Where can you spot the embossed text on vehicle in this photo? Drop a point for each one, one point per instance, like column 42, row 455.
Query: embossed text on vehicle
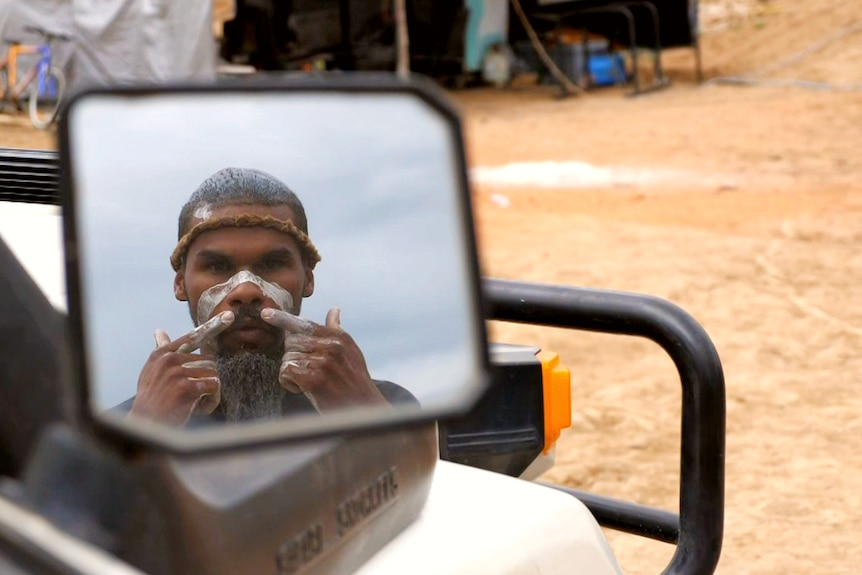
column 300, row 550
column 363, row 503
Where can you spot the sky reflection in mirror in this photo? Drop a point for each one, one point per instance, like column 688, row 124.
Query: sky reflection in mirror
column 377, row 175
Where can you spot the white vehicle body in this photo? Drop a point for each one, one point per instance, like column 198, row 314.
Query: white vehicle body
column 476, row 522
column 34, row 233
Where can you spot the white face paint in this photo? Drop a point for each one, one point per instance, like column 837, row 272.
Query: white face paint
column 212, row 297
column 203, row 212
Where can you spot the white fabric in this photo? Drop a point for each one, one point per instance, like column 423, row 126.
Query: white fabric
column 121, row 41
column 51, row 15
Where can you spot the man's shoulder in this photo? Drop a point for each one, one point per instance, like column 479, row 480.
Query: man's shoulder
column 395, row 394
column 123, row 407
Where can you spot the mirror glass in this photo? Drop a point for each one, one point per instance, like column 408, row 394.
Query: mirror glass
column 203, row 300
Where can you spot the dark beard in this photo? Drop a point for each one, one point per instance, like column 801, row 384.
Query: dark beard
column 249, row 387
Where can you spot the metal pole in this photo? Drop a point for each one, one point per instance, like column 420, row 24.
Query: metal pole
column 403, row 65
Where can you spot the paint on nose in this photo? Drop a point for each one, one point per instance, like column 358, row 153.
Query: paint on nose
column 215, row 295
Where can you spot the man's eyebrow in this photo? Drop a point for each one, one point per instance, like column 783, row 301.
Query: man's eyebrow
column 279, row 253
column 209, row 254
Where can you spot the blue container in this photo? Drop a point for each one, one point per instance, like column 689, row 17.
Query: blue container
column 607, row 69
column 570, row 57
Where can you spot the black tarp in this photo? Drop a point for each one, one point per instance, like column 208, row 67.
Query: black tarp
column 677, row 20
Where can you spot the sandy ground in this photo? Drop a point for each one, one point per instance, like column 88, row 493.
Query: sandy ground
column 761, row 248
column 757, row 237
column 763, row 254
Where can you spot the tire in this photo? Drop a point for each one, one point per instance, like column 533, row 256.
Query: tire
column 45, row 107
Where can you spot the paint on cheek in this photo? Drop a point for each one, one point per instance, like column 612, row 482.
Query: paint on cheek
column 203, row 212
column 212, row 297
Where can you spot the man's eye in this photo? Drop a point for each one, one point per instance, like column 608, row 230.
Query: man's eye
column 273, row 264
column 217, row 266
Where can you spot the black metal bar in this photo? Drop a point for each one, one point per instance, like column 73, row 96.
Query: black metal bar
column 29, row 176
column 660, row 81
column 12, row 180
column 38, row 198
column 701, row 499
column 626, row 516
column 27, row 168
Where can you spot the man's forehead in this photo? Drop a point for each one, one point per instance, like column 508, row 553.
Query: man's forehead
column 207, row 219
column 205, row 212
column 249, row 240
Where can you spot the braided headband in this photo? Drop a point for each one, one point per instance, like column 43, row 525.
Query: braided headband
column 245, row 221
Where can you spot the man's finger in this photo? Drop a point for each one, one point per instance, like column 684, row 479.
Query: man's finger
column 202, row 363
column 333, row 318
column 286, row 380
column 162, row 338
column 299, row 342
column 292, row 384
column 292, row 357
column 204, row 332
column 287, row 321
column 289, row 362
column 302, row 360
column 199, row 373
column 205, row 404
column 201, row 385
column 208, row 401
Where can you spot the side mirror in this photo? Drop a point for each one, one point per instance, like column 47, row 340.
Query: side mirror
column 183, row 214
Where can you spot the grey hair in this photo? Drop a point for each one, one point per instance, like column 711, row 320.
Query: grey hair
column 238, row 186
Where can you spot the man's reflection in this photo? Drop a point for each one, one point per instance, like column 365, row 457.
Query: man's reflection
column 244, row 262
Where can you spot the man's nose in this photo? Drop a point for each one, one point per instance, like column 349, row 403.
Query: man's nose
column 245, row 294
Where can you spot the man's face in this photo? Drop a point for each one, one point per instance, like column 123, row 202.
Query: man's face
column 217, row 255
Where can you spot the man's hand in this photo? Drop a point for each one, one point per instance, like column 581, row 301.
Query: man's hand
column 174, row 382
column 323, row 362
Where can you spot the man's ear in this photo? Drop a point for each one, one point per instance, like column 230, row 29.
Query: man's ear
column 180, row 287
column 308, row 290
